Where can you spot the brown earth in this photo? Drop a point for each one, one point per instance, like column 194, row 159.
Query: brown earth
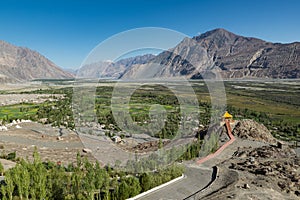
column 45, row 139
column 264, row 170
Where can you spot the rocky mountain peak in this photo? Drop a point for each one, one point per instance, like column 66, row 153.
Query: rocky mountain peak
column 218, row 33
column 221, row 38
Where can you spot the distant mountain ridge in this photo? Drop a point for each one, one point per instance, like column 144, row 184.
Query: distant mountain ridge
column 113, row 70
column 233, row 56
column 19, row 64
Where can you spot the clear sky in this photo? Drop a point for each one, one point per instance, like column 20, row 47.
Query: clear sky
column 65, row 31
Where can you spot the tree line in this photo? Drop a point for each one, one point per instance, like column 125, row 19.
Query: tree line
column 81, row 180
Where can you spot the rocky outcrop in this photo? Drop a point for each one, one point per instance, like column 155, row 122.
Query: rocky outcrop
column 250, row 129
column 274, row 167
column 18, row 64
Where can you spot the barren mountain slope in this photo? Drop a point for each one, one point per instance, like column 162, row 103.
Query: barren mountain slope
column 232, row 55
column 18, row 64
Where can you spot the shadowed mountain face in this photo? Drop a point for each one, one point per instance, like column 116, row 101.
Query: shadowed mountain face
column 232, row 55
column 18, row 64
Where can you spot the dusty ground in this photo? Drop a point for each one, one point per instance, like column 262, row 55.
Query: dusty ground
column 11, row 99
column 263, row 173
column 60, row 144
column 45, row 138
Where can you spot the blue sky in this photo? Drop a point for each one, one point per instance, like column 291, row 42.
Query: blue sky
column 66, row 31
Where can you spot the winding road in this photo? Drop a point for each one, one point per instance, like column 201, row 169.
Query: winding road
column 195, row 178
column 198, row 176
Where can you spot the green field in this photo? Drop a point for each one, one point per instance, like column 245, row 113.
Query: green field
column 18, row 111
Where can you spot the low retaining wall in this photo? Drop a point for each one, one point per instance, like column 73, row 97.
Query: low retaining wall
column 156, row 188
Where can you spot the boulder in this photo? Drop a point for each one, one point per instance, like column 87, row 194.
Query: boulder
column 86, row 150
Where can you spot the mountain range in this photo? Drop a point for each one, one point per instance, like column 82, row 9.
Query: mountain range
column 231, row 55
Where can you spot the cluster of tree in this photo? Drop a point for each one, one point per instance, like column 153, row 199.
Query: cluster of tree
column 59, row 112
column 286, row 130
column 1, row 169
column 83, row 180
column 64, row 90
column 156, row 161
column 210, row 144
column 140, row 114
column 192, row 151
column 130, row 186
column 140, row 102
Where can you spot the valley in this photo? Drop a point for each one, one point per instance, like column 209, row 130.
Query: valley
column 150, row 100
column 46, row 125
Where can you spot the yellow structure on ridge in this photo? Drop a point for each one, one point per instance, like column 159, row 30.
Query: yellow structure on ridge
column 227, row 116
